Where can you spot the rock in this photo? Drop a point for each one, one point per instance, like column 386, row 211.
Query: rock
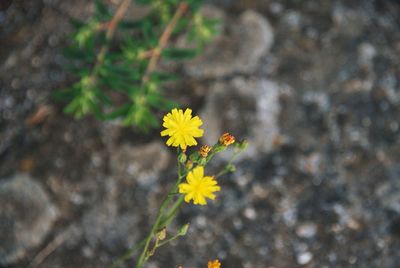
column 248, row 109
column 306, row 230
column 293, row 20
column 250, row 213
column 389, row 191
column 310, row 164
column 26, row 217
column 98, row 222
column 141, row 164
column 237, row 50
column 304, row 258
column 104, row 226
column 366, row 53
column 350, row 22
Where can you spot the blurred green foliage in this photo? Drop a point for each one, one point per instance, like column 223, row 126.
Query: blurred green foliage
column 113, row 79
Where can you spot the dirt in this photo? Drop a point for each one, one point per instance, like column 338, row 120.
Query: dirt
column 327, row 194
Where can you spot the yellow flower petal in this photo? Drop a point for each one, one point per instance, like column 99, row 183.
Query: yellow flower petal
column 182, row 128
column 199, row 187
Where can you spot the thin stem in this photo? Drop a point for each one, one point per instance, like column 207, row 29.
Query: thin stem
column 179, row 162
column 170, row 215
column 143, row 256
column 162, row 42
column 156, row 226
column 168, row 240
column 225, row 170
column 119, row 14
column 111, row 27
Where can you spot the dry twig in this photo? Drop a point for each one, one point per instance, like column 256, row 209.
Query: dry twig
column 44, row 253
column 111, row 26
column 156, row 52
column 39, row 115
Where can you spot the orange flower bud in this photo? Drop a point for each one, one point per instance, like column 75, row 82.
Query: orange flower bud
column 227, row 139
column 204, row 150
column 214, row 264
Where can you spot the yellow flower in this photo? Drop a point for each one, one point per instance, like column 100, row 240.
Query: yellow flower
column 199, row 187
column 214, row 264
column 227, row 139
column 182, row 128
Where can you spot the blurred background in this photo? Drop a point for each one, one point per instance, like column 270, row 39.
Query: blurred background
column 313, row 85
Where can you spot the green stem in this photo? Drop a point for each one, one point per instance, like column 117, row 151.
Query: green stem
column 225, row 170
column 168, row 240
column 171, row 213
column 179, row 163
column 156, row 226
column 144, row 255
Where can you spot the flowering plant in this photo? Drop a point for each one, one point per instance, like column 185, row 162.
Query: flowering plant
column 115, row 58
column 192, row 185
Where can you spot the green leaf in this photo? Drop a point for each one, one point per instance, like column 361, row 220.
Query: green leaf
column 73, row 106
column 101, row 10
column 168, row 104
column 130, row 24
column 76, row 23
column 179, row 53
column 165, row 77
column 65, row 94
column 102, row 97
column 94, row 108
column 181, row 25
column 116, row 85
column 148, row 120
column 143, row 2
column 119, row 112
column 195, row 4
column 78, row 70
column 154, row 100
column 77, row 53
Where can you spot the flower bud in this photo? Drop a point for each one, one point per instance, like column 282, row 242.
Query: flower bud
column 189, row 164
column 214, row 264
column 161, row 235
column 182, row 158
column 227, row 139
column 204, row 150
column 184, row 229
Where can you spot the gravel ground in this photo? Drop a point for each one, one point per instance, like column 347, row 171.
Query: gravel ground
column 313, row 85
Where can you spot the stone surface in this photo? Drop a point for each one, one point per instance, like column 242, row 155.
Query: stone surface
column 105, row 226
column 247, row 108
column 327, row 196
column 26, row 217
column 139, row 164
column 239, row 50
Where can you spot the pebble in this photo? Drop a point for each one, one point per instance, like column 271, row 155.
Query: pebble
column 307, row 230
column 142, row 163
column 250, row 111
column 26, row 215
column 244, row 43
column 250, row 213
column 304, row 258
